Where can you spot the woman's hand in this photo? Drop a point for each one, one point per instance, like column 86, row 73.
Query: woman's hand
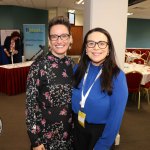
column 6, row 52
column 40, row 147
column 15, row 52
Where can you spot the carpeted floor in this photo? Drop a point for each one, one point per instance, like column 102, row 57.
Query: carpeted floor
column 135, row 129
column 134, row 132
column 12, row 111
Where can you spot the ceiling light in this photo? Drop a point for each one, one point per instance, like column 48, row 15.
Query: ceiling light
column 129, row 14
column 71, row 10
column 79, row 2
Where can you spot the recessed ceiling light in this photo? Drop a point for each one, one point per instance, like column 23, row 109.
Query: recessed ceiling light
column 71, row 10
column 129, row 14
column 79, row 2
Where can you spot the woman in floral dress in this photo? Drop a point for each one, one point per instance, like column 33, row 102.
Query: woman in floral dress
column 48, row 95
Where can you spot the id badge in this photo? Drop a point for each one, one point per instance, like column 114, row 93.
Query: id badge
column 81, row 118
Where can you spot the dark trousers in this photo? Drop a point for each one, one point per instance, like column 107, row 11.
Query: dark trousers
column 86, row 138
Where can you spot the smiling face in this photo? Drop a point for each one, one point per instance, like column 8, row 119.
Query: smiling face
column 59, row 45
column 97, row 54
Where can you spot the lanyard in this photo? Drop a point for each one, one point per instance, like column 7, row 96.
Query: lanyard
column 84, row 97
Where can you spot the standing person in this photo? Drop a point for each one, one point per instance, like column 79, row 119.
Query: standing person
column 99, row 95
column 48, row 95
column 13, row 48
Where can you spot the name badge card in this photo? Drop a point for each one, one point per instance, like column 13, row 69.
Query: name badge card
column 81, row 118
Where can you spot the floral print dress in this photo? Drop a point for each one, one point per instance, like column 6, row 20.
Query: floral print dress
column 48, row 103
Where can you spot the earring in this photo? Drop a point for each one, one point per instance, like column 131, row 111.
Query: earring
column 70, row 46
column 71, row 42
column 86, row 52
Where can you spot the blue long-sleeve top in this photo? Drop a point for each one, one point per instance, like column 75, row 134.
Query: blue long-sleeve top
column 100, row 108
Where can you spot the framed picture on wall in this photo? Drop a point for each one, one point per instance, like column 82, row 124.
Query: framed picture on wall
column 71, row 17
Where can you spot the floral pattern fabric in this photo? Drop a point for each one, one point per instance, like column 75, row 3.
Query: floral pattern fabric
column 48, row 103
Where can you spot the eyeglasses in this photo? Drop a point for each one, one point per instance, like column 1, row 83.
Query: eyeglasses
column 101, row 44
column 55, row 37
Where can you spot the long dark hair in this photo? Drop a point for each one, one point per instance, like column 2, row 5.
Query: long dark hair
column 109, row 69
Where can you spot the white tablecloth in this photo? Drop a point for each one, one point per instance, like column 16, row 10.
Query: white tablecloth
column 145, row 70
column 17, row 65
column 132, row 56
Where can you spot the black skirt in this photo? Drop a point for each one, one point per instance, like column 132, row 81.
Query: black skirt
column 86, row 137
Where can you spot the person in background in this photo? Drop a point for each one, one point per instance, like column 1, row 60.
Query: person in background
column 3, row 57
column 48, row 95
column 12, row 46
column 100, row 93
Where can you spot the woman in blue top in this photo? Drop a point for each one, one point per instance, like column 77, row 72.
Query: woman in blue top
column 99, row 95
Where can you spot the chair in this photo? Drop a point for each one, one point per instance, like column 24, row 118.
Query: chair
column 145, row 56
column 139, row 61
column 148, row 60
column 133, row 81
column 146, row 87
column 146, row 52
column 137, row 51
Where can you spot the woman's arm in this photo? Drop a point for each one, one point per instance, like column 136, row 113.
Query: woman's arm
column 7, row 45
column 6, row 52
column 118, row 101
column 32, row 104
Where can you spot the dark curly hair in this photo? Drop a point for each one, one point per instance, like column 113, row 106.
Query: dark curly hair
column 15, row 34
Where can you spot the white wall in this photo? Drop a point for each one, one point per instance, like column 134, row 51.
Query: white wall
column 112, row 16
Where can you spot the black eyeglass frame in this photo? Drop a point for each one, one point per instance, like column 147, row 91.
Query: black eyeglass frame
column 60, row 36
column 97, row 44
